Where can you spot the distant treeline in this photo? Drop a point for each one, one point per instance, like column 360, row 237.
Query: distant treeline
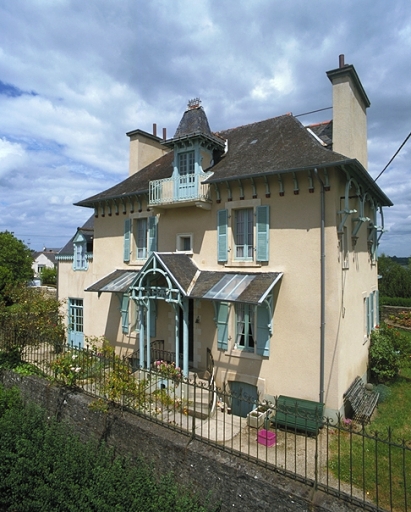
column 395, row 280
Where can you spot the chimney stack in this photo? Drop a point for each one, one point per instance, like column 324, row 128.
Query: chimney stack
column 164, row 133
column 154, row 129
column 349, row 112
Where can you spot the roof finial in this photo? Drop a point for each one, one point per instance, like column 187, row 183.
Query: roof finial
column 194, row 103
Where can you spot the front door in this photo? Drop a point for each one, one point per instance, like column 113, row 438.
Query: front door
column 75, row 322
column 190, row 331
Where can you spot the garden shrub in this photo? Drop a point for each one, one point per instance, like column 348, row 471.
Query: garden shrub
column 44, row 467
column 389, row 351
column 395, row 301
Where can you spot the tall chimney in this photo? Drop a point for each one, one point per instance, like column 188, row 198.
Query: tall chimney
column 164, row 133
column 349, row 113
column 154, row 129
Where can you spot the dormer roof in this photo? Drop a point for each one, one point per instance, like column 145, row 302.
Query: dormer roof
column 194, row 124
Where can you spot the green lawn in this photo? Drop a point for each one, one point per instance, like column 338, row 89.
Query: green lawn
column 380, row 461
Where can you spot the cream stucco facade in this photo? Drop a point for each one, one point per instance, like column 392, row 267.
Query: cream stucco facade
column 320, row 256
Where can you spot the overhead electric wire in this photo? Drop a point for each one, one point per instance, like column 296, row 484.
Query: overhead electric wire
column 313, row 111
column 396, row 153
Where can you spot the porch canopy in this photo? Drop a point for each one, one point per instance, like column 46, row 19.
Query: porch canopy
column 175, row 278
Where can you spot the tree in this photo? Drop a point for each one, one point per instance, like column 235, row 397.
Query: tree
column 395, row 279
column 15, row 264
column 49, row 276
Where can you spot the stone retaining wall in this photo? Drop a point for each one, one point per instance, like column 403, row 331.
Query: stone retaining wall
column 235, row 483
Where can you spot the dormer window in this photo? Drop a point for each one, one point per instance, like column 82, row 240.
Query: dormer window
column 80, row 250
column 80, row 256
column 186, row 163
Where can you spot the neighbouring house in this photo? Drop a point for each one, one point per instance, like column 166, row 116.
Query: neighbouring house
column 43, row 259
column 256, row 244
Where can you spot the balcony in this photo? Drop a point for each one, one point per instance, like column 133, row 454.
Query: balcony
column 182, row 190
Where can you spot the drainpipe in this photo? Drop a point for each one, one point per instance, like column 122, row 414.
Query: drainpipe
column 322, row 249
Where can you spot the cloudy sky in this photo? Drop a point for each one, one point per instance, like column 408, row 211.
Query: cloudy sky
column 76, row 75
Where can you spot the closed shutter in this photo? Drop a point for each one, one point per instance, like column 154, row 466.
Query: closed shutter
column 152, row 235
column 127, row 227
column 263, row 232
column 222, row 325
column 222, row 240
column 263, row 331
column 124, row 312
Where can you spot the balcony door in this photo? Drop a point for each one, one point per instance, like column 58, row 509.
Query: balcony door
column 187, row 178
column 75, row 323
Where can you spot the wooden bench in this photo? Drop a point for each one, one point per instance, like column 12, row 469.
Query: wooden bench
column 297, row 414
column 361, row 400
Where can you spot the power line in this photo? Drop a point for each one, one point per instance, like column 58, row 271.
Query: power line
column 313, row 111
column 396, row 153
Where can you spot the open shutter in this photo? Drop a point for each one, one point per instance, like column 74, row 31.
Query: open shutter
column 377, row 307
column 153, row 318
column 368, row 315
column 127, row 227
column 263, row 331
column 152, row 235
column 263, row 232
column 222, row 325
column 124, row 312
column 222, row 240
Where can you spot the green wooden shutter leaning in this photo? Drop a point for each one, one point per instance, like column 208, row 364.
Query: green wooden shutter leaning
column 127, row 227
column 263, row 232
column 152, row 235
column 222, row 241
column 222, row 325
column 263, row 331
column 124, row 312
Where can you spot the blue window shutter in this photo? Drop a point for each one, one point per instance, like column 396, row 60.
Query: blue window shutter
column 222, row 325
column 222, row 240
column 152, row 234
column 127, row 227
column 367, row 300
column 124, row 312
column 377, row 307
column 263, row 331
column 153, row 318
column 263, row 232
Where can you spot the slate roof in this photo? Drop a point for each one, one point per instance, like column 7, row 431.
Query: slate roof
column 87, row 229
column 193, row 121
column 274, row 146
column 324, row 131
column 193, row 282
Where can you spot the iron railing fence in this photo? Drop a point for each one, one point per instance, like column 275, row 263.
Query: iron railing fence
column 348, row 460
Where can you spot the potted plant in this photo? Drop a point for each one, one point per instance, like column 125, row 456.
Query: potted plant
column 257, row 416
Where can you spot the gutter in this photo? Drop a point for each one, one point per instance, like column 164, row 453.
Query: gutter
column 322, row 286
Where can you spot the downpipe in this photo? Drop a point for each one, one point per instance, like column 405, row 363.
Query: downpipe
column 322, row 286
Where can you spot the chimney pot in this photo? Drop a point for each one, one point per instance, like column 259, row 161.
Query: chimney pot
column 154, row 129
column 165, row 133
column 341, row 60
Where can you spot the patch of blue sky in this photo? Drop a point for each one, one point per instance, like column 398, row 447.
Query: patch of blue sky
column 13, row 91
column 32, row 144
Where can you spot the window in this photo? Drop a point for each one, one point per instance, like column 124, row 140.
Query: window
column 244, row 234
column 371, row 311
column 140, row 238
column 144, row 232
column 245, row 327
column 80, row 255
column 250, row 242
column 185, row 243
column 40, row 268
column 253, row 327
column 186, row 163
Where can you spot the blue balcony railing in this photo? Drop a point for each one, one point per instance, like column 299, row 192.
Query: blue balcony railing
column 184, row 188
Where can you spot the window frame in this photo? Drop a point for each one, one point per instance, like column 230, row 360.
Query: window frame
column 179, row 242
column 245, row 316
